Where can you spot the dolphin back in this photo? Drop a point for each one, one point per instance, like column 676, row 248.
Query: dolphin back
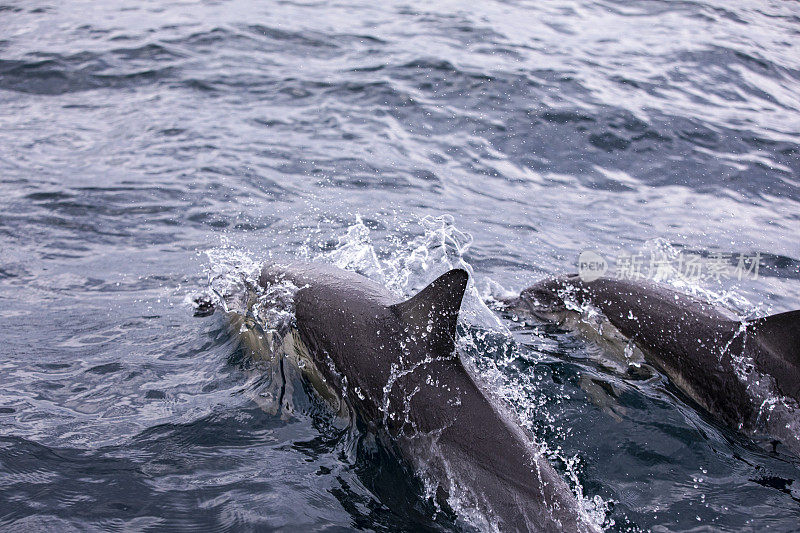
column 364, row 336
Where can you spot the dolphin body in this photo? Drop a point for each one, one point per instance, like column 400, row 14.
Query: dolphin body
column 745, row 372
column 396, row 365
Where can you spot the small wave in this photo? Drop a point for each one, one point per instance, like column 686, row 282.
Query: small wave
column 56, row 74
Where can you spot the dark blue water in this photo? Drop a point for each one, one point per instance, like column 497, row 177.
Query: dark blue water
column 146, row 145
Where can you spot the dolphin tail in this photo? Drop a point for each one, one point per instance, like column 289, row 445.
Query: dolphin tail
column 433, row 312
column 781, row 333
column 779, row 339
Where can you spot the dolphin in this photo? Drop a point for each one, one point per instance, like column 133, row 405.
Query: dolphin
column 746, row 373
column 396, row 366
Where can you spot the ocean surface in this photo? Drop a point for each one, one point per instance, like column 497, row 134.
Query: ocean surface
column 155, row 152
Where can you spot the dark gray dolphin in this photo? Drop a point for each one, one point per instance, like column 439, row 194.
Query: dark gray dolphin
column 746, row 373
column 397, row 367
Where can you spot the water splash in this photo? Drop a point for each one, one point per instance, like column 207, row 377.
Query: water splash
column 356, row 252
column 232, row 274
column 407, row 266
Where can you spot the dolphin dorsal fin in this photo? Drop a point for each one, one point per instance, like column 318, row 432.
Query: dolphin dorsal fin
column 782, row 332
column 433, row 312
